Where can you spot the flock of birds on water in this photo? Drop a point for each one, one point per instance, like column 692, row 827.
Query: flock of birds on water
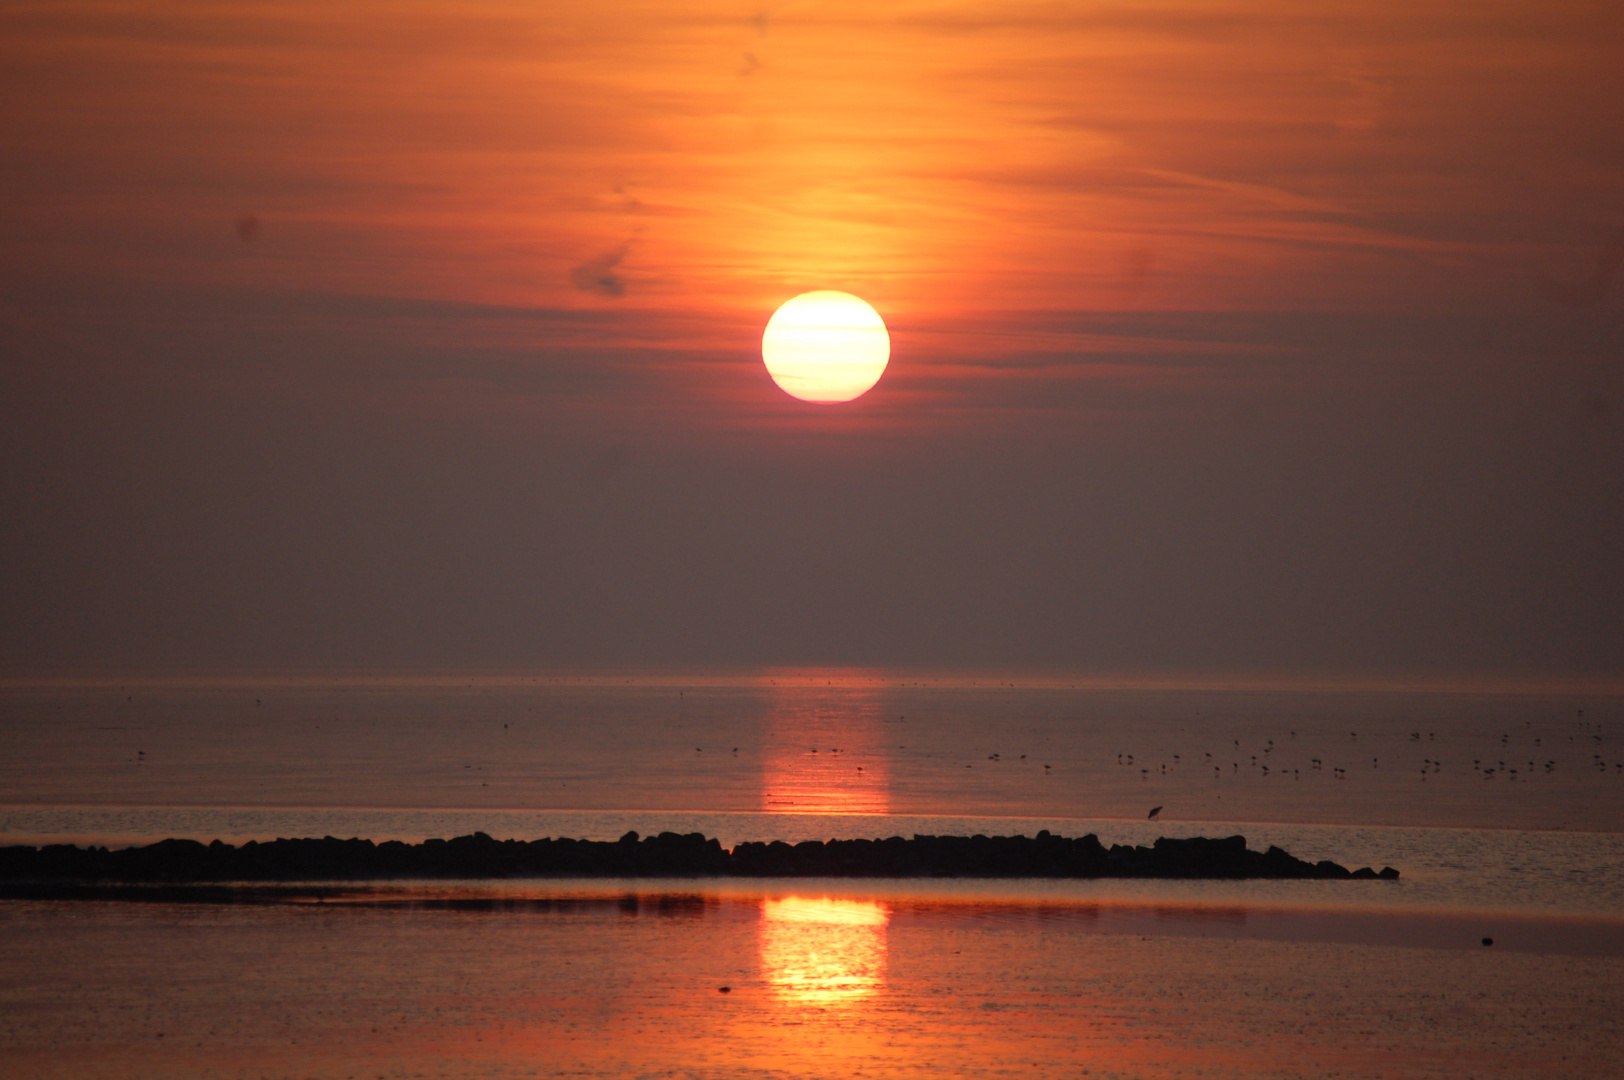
column 1264, row 765
column 1261, row 767
column 1487, row 769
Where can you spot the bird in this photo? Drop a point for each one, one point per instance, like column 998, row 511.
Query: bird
column 1153, row 812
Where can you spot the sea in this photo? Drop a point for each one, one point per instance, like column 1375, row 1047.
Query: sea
column 1498, row 952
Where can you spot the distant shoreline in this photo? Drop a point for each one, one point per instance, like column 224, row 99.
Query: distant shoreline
column 749, row 678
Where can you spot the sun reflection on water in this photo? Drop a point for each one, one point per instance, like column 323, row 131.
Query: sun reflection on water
column 826, row 754
column 821, row 951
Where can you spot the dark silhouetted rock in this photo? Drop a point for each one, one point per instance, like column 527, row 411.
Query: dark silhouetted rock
column 667, row 855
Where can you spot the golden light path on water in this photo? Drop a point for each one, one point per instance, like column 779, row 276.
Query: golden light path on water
column 823, row 951
column 825, row 755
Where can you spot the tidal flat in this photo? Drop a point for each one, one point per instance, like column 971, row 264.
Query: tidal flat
column 808, row 976
column 815, row 985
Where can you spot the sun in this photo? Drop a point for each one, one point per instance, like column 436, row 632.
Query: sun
column 825, row 347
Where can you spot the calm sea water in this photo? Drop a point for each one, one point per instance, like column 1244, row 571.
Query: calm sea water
column 825, row 743
column 828, row 978
column 1486, row 801
column 817, row 986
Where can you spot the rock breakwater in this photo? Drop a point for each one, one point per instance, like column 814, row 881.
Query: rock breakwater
column 666, row 855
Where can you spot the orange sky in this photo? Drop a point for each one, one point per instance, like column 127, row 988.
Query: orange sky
column 1084, row 223
column 954, row 163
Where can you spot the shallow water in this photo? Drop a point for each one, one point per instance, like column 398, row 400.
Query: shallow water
column 818, row 985
column 827, row 977
column 836, row 745
column 802, row 755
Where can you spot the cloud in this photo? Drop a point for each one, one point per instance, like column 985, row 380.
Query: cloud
column 598, row 276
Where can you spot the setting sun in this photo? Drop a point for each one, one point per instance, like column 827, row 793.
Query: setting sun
column 826, row 347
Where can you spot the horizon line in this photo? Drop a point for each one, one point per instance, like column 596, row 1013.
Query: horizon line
column 843, row 677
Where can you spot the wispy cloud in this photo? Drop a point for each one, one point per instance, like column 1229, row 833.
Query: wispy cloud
column 599, row 276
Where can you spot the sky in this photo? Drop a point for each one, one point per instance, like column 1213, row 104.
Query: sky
column 1227, row 337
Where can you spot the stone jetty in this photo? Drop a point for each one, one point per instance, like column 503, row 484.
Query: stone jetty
column 668, row 855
